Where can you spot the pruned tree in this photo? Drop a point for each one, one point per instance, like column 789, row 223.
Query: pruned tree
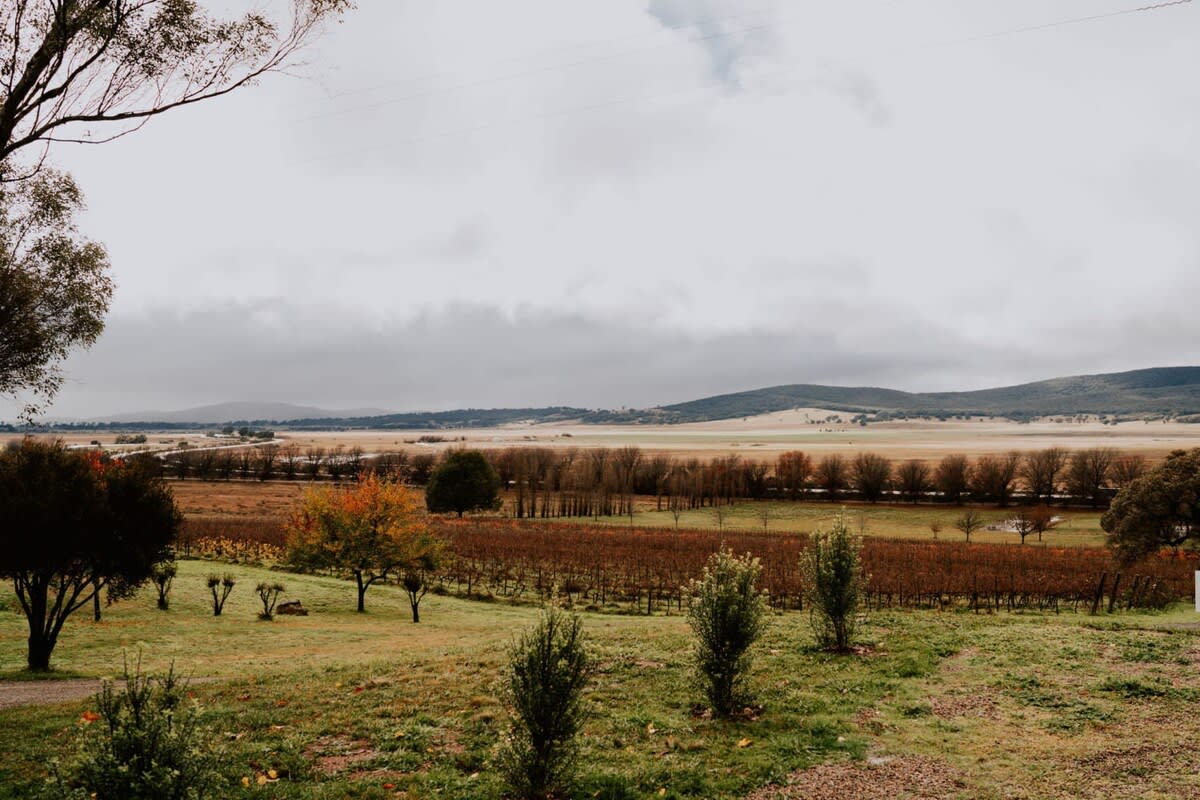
column 71, row 525
column 371, row 530
column 54, row 286
column 1159, row 509
column 90, row 71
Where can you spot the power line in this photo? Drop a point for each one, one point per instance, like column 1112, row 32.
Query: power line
column 567, row 111
column 550, row 50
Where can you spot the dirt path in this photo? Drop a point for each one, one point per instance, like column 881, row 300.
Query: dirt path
column 51, row 692
column 46, row 693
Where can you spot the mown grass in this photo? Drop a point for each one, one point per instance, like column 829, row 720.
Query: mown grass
column 342, row 704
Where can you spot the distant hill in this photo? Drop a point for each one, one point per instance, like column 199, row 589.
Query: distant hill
column 1161, row 391
column 238, row 412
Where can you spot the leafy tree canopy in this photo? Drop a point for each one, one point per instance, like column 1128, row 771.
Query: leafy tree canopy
column 465, row 481
column 1159, row 509
column 72, row 524
column 54, row 285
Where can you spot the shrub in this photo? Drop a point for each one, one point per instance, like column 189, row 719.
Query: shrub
column 269, row 594
column 833, row 584
column 728, row 615
column 145, row 742
column 220, row 588
column 543, row 687
column 163, row 576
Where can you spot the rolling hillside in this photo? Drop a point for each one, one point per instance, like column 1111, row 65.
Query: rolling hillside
column 1163, row 391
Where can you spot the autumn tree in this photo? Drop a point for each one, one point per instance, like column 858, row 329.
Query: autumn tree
column 72, row 525
column 372, row 530
column 54, row 286
column 993, row 476
column 1159, row 509
column 465, row 481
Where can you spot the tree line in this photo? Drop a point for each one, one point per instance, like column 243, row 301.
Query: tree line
column 544, row 482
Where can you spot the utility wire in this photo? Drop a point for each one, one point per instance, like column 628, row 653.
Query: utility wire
column 703, row 88
column 548, row 51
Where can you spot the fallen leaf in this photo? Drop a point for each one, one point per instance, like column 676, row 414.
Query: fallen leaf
column 745, row 742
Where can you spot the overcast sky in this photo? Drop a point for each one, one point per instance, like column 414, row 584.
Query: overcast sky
column 636, row 202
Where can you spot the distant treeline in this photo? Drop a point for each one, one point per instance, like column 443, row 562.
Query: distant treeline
column 549, row 483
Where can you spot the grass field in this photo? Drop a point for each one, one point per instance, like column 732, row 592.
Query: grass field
column 1078, row 528
column 369, row 705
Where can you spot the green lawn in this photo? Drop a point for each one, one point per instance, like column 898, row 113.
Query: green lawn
column 342, row 704
column 1078, row 528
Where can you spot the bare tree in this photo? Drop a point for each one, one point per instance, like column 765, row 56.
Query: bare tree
column 831, row 476
column 792, row 472
column 1087, row 474
column 952, row 478
column 1039, row 472
column 912, row 477
column 1126, row 469
column 872, row 475
column 90, row 71
column 970, row 521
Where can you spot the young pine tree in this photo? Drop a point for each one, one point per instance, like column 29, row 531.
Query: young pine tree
column 543, row 687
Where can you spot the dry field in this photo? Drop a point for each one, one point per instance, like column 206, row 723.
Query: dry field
column 764, row 437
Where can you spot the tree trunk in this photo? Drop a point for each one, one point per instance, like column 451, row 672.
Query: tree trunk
column 40, row 647
column 362, row 590
column 416, row 606
column 96, row 606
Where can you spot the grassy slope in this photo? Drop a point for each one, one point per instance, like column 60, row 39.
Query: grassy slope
column 416, row 705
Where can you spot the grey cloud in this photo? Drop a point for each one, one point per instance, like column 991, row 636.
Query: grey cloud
column 477, row 356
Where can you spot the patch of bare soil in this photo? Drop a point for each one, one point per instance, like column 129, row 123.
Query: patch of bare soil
column 976, row 704
column 333, row 754
column 1161, row 770
column 898, row 778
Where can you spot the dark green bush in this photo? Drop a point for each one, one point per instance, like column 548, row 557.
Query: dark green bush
column 833, row 585
column 144, row 742
column 543, row 688
column 727, row 613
